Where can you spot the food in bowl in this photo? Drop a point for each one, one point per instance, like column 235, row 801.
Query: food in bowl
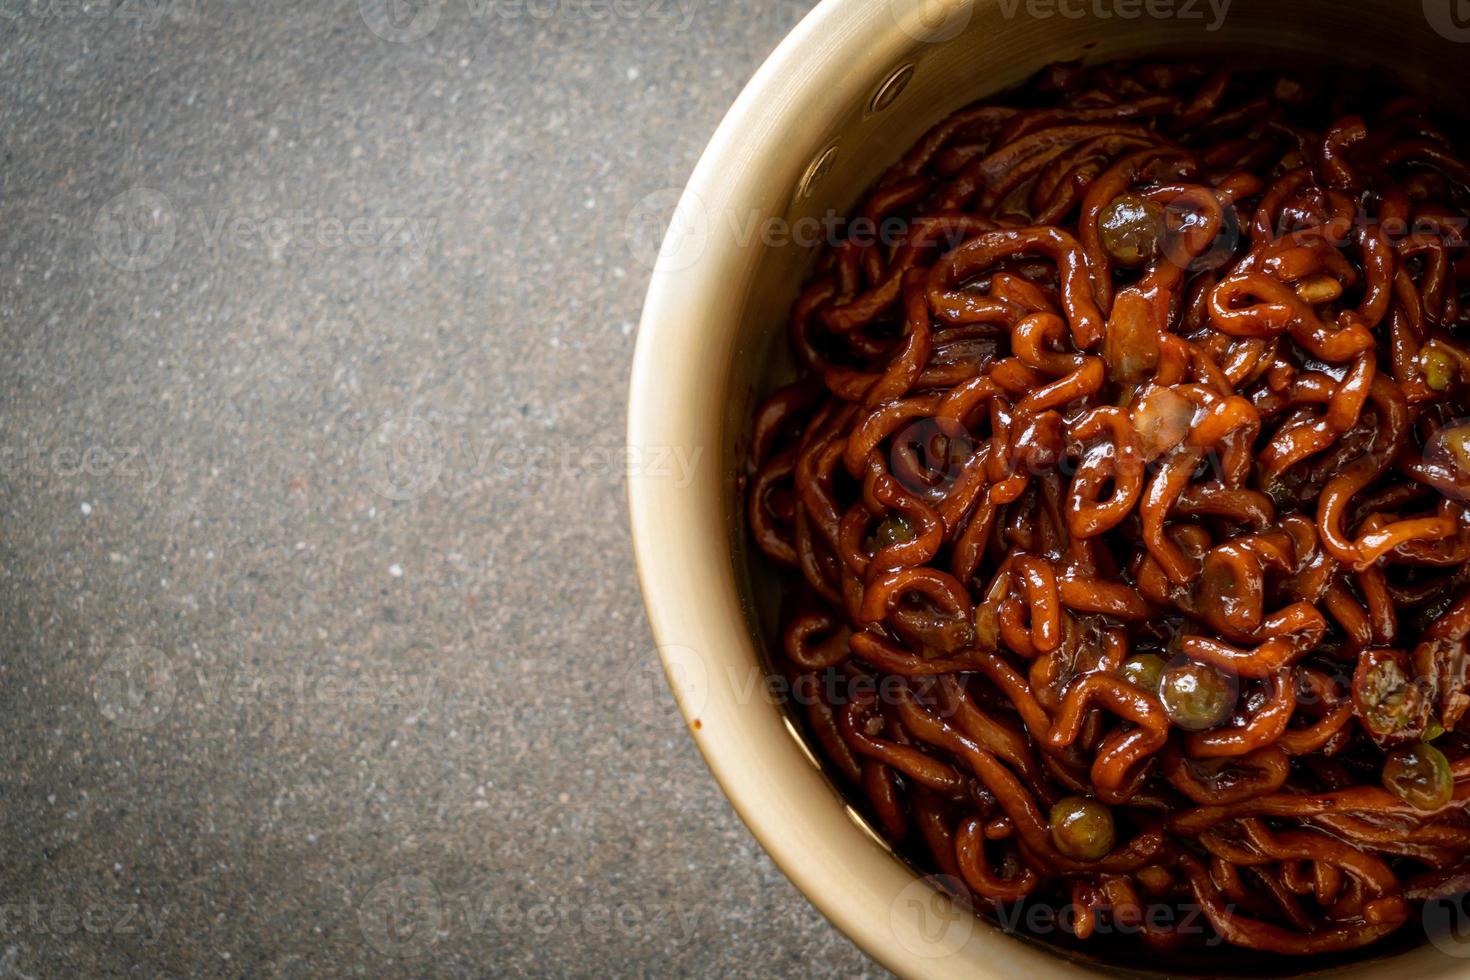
column 1122, row 506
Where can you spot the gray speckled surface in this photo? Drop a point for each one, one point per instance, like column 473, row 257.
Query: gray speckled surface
column 316, row 325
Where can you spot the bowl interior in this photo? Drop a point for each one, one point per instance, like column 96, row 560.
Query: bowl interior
column 817, row 125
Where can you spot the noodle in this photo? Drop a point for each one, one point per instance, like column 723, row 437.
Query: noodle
column 1131, row 474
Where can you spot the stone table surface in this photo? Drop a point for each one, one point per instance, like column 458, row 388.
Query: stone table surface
column 314, row 577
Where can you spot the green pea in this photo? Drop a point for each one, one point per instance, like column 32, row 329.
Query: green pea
column 894, row 529
column 1438, row 368
column 1389, row 704
column 1420, row 775
column 1082, row 828
column 1144, row 672
column 1131, row 227
column 1196, row 696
